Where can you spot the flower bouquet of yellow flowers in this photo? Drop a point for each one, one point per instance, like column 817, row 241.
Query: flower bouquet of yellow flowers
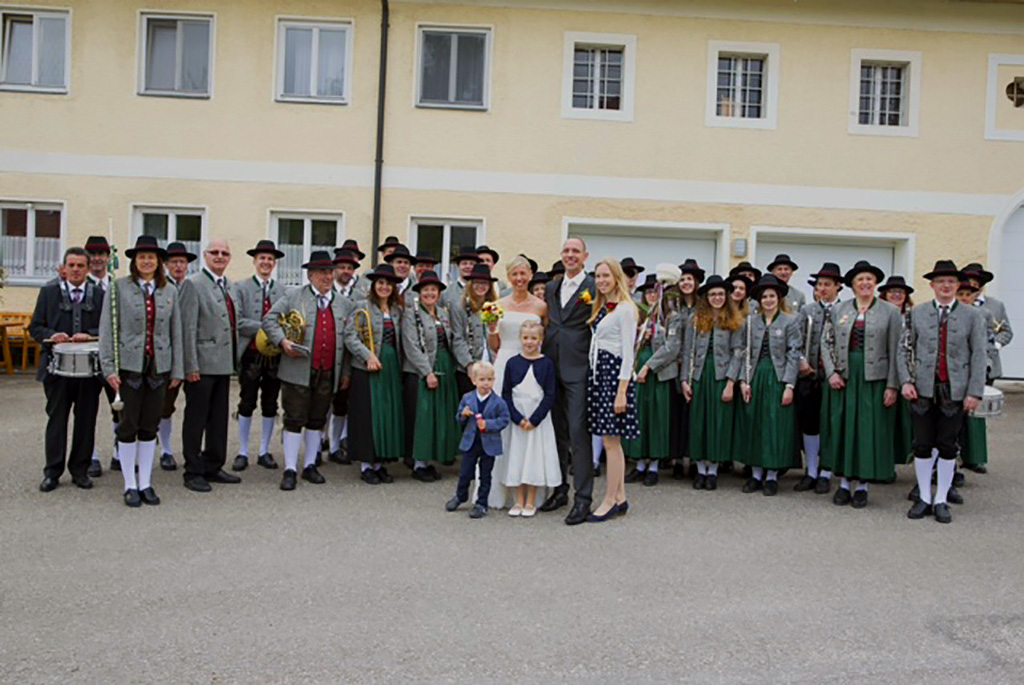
column 491, row 313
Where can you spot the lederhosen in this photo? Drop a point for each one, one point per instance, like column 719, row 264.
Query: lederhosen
column 938, row 419
column 257, row 374
column 307, row 406
column 142, row 393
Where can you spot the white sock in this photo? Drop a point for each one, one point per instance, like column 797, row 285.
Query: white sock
column 244, row 426
column 144, row 455
column 113, row 432
column 712, row 468
column 364, row 466
column 166, row 426
column 266, row 433
column 758, row 473
column 825, row 473
column 946, row 469
column 702, row 468
column 419, row 464
column 312, row 447
column 923, row 471
column 596, row 445
column 95, row 454
column 126, row 452
column 652, row 466
column 339, row 428
column 844, row 484
column 641, row 465
column 862, row 486
column 811, row 445
column 292, row 444
column 772, row 475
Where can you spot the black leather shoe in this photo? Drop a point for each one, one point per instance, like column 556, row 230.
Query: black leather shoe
column 434, row 473
column 95, row 469
column 49, row 484
column 478, row 512
column 822, row 486
column 711, row 483
column 978, row 468
column 384, row 476
column 266, row 461
column 167, row 462
column 223, row 476
column 370, row 476
column 954, row 496
column 860, row 499
column 311, row 475
column 132, row 498
column 752, row 485
column 842, row 497
column 623, row 508
column 453, row 504
column 806, row 483
column 634, row 476
column 556, row 501
column 771, row 488
column 607, row 516
column 915, row 494
column 422, row 475
column 943, row 514
column 335, row 457
column 650, row 478
column 319, row 460
column 115, row 465
column 699, row 481
column 959, row 479
column 288, row 480
column 580, row 512
column 919, row 510
column 83, row 482
column 149, row 497
column 241, row 463
column 197, row 484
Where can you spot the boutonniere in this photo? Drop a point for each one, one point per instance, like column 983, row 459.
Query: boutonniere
column 586, row 297
column 844, row 319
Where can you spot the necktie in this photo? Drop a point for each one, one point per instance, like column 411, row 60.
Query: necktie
column 321, row 301
column 76, row 295
column 943, row 314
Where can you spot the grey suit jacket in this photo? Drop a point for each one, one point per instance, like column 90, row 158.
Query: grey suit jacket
column 209, row 338
column 965, row 351
column 1002, row 330
column 452, row 295
column 470, row 335
column 567, row 338
column 796, row 300
column 419, row 342
column 361, row 290
column 882, row 327
column 666, row 343
column 360, row 352
column 248, row 296
column 783, row 343
column 728, row 353
column 812, row 321
column 168, row 349
column 296, row 370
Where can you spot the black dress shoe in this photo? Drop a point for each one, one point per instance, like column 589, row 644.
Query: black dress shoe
column 979, row 468
column 434, row 473
column 197, row 484
column 842, row 497
column 115, row 465
column 752, row 485
column 822, row 486
column 959, row 479
column 132, row 498
column 241, row 463
column 556, row 501
column 623, row 508
column 919, row 510
column 699, row 481
column 634, row 476
column 579, row 513
column 288, row 480
column 943, row 514
column 311, row 475
column 149, row 497
column 384, row 476
column 771, row 488
column 167, row 462
column 49, row 484
column 806, row 483
column 453, row 504
column 83, row 482
column 335, row 457
column 607, row 516
column 478, row 512
column 650, row 478
column 370, row 476
column 223, row 476
column 678, row 471
column 860, row 499
column 422, row 475
column 319, row 460
column 915, row 494
column 711, row 483
column 95, row 469
column 954, row 496
column 266, row 461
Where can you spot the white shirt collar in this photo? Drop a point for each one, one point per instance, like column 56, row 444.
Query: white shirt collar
column 574, row 281
column 481, row 398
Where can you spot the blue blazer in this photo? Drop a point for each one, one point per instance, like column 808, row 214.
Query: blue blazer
column 495, row 416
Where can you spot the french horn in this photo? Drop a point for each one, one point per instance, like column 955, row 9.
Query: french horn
column 293, row 324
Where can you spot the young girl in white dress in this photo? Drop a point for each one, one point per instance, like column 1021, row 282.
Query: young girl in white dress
column 528, row 388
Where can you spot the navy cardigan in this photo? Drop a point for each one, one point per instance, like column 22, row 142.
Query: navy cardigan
column 515, row 372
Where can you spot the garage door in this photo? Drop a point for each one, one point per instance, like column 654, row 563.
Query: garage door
column 1011, row 292
column 810, row 256
column 648, row 246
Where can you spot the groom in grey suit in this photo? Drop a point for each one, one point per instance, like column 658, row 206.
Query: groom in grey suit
column 567, row 343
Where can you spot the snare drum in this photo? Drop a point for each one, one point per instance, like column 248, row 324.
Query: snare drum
column 75, row 360
column 991, row 404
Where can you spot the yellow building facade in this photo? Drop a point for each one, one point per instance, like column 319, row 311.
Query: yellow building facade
column 660, row 129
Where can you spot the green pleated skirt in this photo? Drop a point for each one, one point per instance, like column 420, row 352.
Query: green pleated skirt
column 862, row 445
column 654, row 415
column 903, row 434
column 436, row 434
column 711, row 419
column 386, row 401
column 772, row 426
column 974, row 443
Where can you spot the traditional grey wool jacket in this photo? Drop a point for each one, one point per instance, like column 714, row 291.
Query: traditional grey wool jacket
column 360, row 352
column 296, row 370
column 1002, row 330
column 470, row 335
column 248, row 296
column 965, row 351
column 666, row 343
column 210, row 339
column 168, row 349
column 728, row 352
column 813, row 315
column 882, row 327
column 419, row 341
column 783, row 344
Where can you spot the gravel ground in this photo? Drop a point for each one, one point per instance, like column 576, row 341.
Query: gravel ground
column 345, row 582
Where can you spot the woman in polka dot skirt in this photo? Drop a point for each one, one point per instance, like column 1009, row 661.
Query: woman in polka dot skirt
column 611, row 399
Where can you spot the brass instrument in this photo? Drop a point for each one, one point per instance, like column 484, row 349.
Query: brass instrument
column 909, row 343
column 748, row 365
column 828, row 339
column 293, row 324
column 364, row 328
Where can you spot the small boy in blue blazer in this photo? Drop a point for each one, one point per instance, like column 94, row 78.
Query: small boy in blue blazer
column 481, row 438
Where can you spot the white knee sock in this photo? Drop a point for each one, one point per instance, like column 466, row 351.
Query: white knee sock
column 641, row 465
column 758, row 473
column 126, row 452
column 652, row 466
column 923, row 471
column 596, row 445
column 339, row 428
column 811, row 445
column 824, row 473
column 144, row 456
column 712, row 468
column 244, row 426
column 166, row 427
column 266, row 433
column 419, row 464
column 292, row 444
column 702, row 468
column 312, row 447
column 772, row 475
column 844, row 483
column 862, row 486
column 946, row 469
column 364, row 466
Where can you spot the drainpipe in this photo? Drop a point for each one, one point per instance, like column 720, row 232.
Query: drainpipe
column 378, row 169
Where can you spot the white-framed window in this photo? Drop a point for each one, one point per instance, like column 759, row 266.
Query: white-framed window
column 31, row 240
column 445, row 239
column 298, row 234
column 598, row 76
column 314, row 61
column 176, row 55
column 35, row 50
column 743, row 85
column 885, row 93
column 169, row 224
column 454, row 67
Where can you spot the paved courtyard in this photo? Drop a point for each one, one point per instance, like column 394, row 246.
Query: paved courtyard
column 346, row 582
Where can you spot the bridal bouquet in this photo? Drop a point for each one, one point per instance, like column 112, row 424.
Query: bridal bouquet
column 491, row 313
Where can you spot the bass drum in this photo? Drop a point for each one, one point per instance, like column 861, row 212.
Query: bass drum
column 991, row 404
column 75, row 360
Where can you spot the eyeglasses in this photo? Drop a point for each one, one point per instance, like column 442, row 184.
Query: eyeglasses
column 218, row 253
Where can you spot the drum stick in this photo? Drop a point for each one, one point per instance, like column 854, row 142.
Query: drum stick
column 51, row 341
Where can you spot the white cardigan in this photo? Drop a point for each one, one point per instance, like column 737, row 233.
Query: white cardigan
column 616, row 333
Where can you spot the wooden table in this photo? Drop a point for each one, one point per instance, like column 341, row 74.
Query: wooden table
column 5, row 344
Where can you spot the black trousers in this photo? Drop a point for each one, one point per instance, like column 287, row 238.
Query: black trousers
column 307, row 406
column 143, row 398
column 206, row 415
column 572, row 438
column 937, row 422
column 257, row 376
column 115, row 416
column 467, row 471
column 64, row 395
column 808, row 404
column 339, row 405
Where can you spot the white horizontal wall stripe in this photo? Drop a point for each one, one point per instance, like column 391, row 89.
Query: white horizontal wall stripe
column 459, row 180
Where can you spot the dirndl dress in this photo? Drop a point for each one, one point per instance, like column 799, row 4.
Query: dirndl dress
column 711, row 419
column 436, row 435
column 654, row 414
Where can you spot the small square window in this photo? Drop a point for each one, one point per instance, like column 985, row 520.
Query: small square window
column 453, row 68
column 30, row 241
column 170, row 224
column 298, row 235
column 314, row 61
column 743, row 85
column 598, row 76
column 884, row 92
column 445, row 240
column 34, row 51
column 176, row 55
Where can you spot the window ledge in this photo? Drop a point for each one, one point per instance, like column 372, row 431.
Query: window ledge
column 762, row 123
column 902, row 131
column 441, row 105
column 25, row 88
column 598, row 115
column 174, row 94
column 28, row 281
column 301, row 100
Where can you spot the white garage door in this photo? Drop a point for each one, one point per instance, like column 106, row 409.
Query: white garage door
column 1011, row 292
column 648, row 247
column 810, row 257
